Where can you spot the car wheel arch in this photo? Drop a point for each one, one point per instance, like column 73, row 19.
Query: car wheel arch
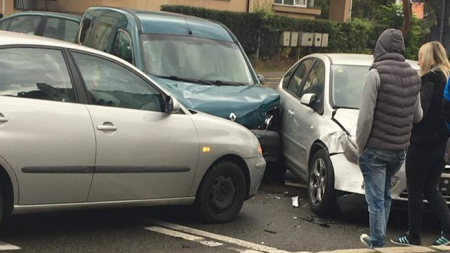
column 238, row 161
column 318, row 145
column 7, row 189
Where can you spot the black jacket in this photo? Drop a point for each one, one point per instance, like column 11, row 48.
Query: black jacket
column 432, row 129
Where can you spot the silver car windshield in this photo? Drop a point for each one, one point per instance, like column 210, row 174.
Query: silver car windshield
column 347, row 85
column 193, row 58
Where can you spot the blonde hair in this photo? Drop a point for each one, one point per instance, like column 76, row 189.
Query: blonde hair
column 434, row 56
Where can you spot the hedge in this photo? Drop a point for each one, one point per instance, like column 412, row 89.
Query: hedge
column 348, row 37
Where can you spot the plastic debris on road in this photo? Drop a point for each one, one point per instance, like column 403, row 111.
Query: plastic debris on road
column 295, row 201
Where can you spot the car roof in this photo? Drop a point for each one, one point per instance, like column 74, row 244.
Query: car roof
column 176, row 24
column 358, row 60
column 47, row 14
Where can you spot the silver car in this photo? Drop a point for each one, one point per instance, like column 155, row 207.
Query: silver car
column 80, row 128
column 320, row 98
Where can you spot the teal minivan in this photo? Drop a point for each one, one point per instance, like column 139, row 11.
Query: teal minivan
column 200, row 62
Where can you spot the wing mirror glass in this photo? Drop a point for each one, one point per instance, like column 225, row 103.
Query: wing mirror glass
column 172, row 105
column 308, row 99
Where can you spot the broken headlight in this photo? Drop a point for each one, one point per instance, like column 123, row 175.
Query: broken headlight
column 271, row 120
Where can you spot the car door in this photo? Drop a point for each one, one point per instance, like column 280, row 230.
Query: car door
column 142, row 151
column 46, row 137
column 298, row 128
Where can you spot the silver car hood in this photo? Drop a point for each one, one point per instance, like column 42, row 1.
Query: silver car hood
column 347, row 119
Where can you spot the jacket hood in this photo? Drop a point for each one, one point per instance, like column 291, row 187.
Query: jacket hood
column 390, row 41
column 249, row 104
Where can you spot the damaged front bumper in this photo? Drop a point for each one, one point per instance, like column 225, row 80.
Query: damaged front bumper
column 270, row 144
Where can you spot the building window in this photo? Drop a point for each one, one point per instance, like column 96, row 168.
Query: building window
column 299, row 3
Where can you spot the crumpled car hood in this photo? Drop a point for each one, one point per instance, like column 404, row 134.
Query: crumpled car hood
column 248, row 103
column 347, row 118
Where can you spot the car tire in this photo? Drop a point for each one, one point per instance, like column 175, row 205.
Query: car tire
column 222, row 193
column 2, row 205
column 321, row 192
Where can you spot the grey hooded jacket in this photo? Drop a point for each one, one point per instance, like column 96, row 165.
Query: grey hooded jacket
column 391, row 101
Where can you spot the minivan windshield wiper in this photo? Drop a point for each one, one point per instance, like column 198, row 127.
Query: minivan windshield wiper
column 186, row 79
column 220, row 82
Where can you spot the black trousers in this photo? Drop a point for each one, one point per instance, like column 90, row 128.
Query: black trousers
column 424, row 166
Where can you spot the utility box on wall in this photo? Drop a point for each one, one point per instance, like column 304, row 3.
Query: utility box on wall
column 285, row 39
column 325, row 40
column 294, row 39
column 317, row 39
column 306, row 39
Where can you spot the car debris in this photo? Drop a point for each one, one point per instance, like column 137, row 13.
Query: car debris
column 270, row 231
column 295, row 201
column 318, row 221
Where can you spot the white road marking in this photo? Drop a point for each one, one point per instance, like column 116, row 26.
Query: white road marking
column 230, row 240
column 6, row 246
column 184, row 236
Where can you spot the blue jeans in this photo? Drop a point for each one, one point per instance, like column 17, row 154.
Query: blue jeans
column 378, row 167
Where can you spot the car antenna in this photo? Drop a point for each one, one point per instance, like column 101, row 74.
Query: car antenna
column 189, row 28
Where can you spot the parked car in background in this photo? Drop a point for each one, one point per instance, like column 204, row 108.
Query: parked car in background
column 83, row 129
column 199, row 62
column 320, row 99
column 48, row 24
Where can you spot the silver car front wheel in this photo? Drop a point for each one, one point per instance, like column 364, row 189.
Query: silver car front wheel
column 321, row 192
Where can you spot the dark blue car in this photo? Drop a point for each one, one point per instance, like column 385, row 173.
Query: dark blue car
column 198, row 61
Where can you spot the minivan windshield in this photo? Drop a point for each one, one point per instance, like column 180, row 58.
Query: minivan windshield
column 347, row 85
column 191, row 58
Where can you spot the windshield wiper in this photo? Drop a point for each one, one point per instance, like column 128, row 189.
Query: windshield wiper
column 220, row 82
column 186, row 79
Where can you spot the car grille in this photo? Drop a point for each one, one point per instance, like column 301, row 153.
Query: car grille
column 444, row 186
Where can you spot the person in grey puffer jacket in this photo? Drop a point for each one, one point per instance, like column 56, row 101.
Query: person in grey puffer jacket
column 390, row 105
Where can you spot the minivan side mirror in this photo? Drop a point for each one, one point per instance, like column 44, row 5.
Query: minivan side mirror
column 171, row 105
column 261, row 79
column 308, row 99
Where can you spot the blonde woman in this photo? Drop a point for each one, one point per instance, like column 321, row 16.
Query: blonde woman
column 424, row 160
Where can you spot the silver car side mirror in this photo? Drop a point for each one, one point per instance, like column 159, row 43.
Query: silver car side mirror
column 261, row 79
column 308, row 99
column 172, row 105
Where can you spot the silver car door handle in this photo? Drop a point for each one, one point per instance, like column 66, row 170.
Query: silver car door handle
column 107, row 127
column 3, row 119
column 291, row 113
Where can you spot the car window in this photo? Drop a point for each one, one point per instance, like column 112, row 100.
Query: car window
column 102, row 33
column 296, row 80
column 35, row 73
column 111, row 84
column 122, row 46
column 61, row 29
column 4, row 24
column 315, row 83
column 24, row 24
column 288, row 75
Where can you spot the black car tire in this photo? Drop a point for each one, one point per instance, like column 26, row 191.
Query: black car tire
column 2, row 205
column 222, row 193
column 321, row 192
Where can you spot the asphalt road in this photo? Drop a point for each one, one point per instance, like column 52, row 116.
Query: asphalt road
column 267, row 223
